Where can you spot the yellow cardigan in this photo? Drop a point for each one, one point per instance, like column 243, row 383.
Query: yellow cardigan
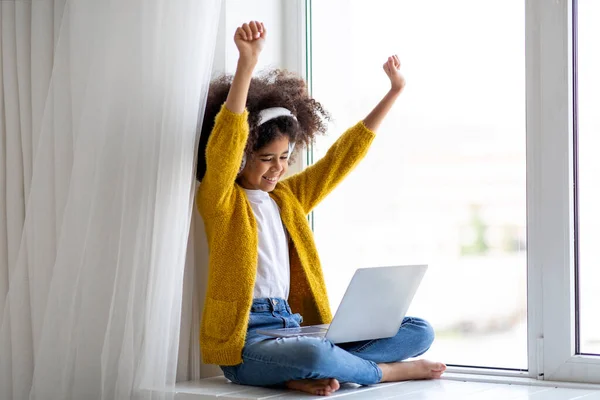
column 233, row 237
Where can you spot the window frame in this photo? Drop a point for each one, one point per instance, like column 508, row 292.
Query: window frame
column 551, row 212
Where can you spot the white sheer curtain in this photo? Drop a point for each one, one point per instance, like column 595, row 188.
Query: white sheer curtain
column 99, row 102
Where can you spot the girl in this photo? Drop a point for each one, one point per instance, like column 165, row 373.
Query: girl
column 263, row 261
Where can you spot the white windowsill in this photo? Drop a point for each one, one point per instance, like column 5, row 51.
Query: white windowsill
column 513, row 378
column 219, row 387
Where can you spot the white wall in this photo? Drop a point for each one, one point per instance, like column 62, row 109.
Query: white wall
column 285, row 30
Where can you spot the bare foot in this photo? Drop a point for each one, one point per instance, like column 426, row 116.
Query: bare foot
column 409, row 370
column 320, row 387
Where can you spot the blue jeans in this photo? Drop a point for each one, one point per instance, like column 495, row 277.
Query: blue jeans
column 273, row 361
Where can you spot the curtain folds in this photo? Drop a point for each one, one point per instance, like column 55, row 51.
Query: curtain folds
column 99, row 105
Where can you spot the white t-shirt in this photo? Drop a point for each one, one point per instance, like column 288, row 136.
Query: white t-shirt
column 273, row 272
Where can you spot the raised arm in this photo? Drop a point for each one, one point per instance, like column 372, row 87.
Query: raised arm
column 392, row 70
column 227, row 141
column 317, row 181
column 250, row 40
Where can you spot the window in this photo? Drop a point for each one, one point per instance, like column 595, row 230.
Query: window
column 444, row 182
column 486, row 170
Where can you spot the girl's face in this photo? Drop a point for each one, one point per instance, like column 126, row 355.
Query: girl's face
column 266, row 166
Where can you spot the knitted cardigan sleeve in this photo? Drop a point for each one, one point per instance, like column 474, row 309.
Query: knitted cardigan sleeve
column 314, row 183
column 224, row 152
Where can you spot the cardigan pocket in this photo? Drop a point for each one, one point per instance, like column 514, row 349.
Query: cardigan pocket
column 221, row 317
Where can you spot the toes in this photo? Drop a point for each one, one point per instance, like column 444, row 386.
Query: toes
column 331, row 386
column 334, row 384
column 439, row 367
column 437, row 373
column 319, row 387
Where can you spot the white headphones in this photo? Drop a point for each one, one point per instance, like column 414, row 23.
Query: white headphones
column 266, row 115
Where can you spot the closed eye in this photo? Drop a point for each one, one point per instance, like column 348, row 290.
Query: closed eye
column 269, row 159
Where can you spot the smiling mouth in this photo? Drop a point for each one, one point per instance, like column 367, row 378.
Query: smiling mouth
column 271, row 180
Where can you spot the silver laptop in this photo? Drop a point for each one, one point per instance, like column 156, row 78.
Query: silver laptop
column 373, row 306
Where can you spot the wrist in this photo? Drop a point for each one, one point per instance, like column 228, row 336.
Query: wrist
column 247, row 62
column 395, row 91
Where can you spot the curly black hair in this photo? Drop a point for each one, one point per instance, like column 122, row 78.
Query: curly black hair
column 273, row 88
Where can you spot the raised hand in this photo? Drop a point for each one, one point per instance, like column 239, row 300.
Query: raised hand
column 392, row 70
column 250, row 39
